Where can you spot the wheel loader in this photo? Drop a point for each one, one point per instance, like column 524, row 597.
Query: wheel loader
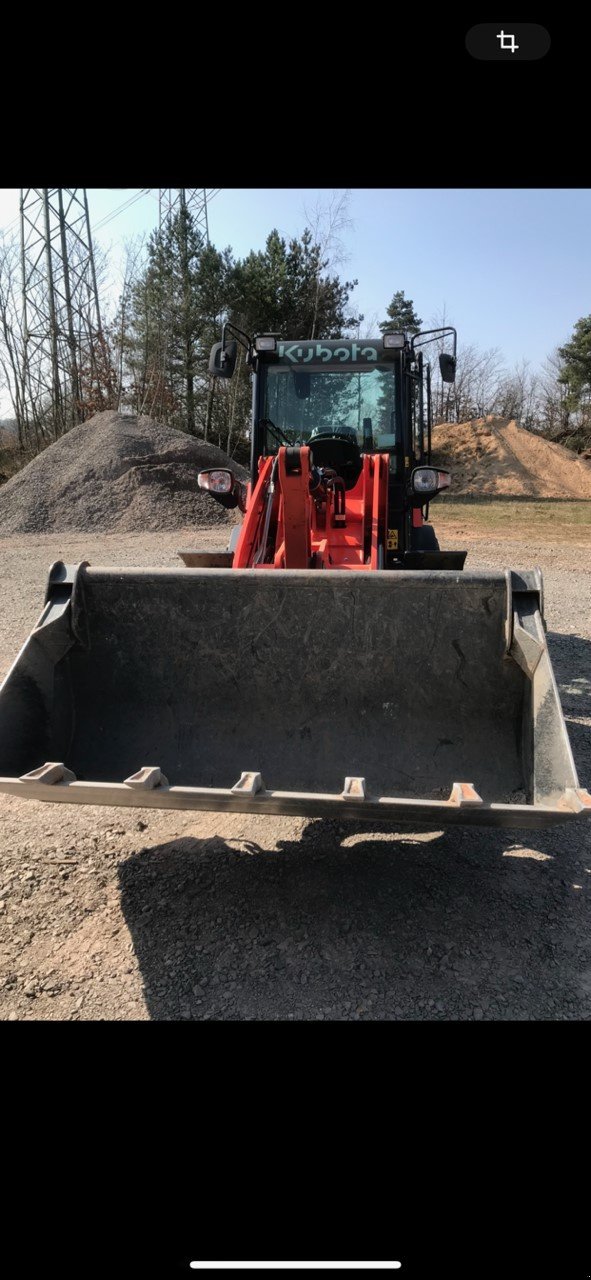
column 333, row 661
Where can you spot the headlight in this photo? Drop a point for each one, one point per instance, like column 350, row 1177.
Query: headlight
column 424, row 480
column 429, row 480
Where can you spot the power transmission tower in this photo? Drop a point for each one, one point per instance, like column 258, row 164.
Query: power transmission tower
column 61, row 314
column 172, row 200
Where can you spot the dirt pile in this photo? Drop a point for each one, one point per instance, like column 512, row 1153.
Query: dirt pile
column 494, row 457
column 115, row 473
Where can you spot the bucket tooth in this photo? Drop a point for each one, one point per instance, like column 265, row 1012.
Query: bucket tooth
column 49, row 773
column 464, row 794
column 354, row 788
column 147, row 778
column 248, row 784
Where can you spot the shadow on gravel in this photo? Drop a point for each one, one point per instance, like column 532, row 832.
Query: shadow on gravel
column 571, row 660
column 351, row 922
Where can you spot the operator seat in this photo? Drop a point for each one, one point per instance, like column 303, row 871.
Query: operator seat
column 339, row 451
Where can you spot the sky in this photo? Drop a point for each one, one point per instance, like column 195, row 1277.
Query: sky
column 511, row 267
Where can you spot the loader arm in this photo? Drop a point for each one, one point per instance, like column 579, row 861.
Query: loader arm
column 303, row 517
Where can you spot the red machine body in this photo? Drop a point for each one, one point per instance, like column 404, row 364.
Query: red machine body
column 300, row 518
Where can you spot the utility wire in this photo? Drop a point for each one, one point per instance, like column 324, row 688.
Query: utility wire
column 103, row 222
column 120, row 208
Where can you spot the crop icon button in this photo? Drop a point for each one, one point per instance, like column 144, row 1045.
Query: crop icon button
column 508, row 41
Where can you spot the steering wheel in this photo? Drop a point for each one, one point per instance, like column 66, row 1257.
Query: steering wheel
column 343, row 433
column 340, row 451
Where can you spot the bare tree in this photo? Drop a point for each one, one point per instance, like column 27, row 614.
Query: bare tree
column 518, row 396
column 32, row 413
column 555, row 410
column 132, row 263
column 478, row 377
column 10, row 344
column 328, row 221
column 441, row 394
column 368, row 327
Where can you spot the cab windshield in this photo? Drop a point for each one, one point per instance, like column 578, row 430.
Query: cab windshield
column 361, row 403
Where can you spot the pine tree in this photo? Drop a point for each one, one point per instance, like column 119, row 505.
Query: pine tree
column 402, row 316
column 163, row 347
column 283, row 289
column 576, row 363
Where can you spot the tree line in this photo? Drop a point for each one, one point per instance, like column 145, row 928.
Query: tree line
column 152, row 356
column 554, row 401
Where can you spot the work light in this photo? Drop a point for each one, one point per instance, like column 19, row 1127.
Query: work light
column 392, row 340
column 429, row 480
column 265, row 343
column 216, row 481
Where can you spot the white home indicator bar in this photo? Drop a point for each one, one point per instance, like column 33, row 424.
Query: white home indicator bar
column 295, row 1266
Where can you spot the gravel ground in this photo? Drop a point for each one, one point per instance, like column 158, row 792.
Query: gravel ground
column 120, row 914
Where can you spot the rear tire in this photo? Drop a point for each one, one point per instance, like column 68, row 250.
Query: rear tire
column 423, row 539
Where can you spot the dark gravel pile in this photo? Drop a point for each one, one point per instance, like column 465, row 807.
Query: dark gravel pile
column 115, row 473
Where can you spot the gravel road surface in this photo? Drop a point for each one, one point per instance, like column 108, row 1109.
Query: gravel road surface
column 121, row 914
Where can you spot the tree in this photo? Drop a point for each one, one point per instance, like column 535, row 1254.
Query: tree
column 555, row 413
column 576, row 364
column 401, row 315
column 216, row 405
column 168, row 319
column 120, row 329
column 327, row 222
column 285, row 289
column 288, row 289
column 518, row 396
column 166, row 323
column 566, row 391
column 478, row 377
column 11, row 336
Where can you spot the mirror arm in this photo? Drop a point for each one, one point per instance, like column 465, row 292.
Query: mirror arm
column 436, row 333
column 242, row 337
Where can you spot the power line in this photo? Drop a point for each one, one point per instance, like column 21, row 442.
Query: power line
column 126, row 204
column 120, row 209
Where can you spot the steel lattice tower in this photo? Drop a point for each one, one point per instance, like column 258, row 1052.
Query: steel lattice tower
column 61, row 311
column 171, row 200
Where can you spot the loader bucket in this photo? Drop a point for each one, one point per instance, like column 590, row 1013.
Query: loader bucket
column 403, row 696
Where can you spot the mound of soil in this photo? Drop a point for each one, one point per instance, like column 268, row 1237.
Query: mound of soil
column 116, row 473
column 494, row 457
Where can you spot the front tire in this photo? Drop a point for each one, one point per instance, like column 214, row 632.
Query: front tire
column 423, row 539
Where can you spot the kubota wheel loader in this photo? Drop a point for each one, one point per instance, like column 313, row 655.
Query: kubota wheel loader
column 333, row 661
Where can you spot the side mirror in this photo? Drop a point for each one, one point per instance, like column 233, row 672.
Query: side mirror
column 426, row 482
column 222, row 360
column 447, row 365
column 221, row 484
